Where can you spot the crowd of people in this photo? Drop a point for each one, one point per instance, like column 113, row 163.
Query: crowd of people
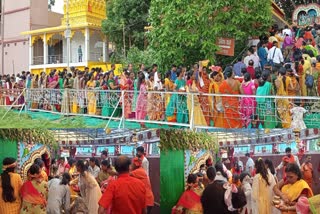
column 251, row 188
column 82, row 186
column 286, row 62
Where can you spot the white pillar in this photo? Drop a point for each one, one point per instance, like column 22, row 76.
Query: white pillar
column 30, row 51
column 87, row 46
column 104, row 52
column 45, row 49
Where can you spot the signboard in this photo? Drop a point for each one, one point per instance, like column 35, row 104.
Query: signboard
column 226, row 46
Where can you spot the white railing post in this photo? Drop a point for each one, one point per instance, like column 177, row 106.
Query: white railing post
column 123, row 115
column 192, row 113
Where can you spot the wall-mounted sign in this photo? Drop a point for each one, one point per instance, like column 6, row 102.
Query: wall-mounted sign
column 226, row 46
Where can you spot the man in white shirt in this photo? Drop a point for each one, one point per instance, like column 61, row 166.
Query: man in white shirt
column 275, row 55
column 145, row 162
column 93, row 168
column 292, row 159
column 252, row 56
column 249, row 164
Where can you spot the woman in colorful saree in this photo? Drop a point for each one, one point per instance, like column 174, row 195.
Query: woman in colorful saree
column 199, row 119
column 291, row 189
column 178, row 102
column 168, row 84
column 126, row 84
column 247, row 104
column 155, row 100
column 140, row 173
column 283, row 104
column 292, row 84
column 10, row 184
column 232, row 117
column 92, row 100
column 203, row 85
column 262, row 194
column 189, row 202
column 89, row 187
column 34, row 193
column 142, row 100
column 266, row 108
column 216, row 101
column 112, row 98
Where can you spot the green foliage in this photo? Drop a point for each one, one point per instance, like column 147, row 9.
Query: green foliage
column 14, row 120
column 132, row 15
column 51, row 3
column 135, row 56
column 185, row 31
column 39, row 135
column 177, row 139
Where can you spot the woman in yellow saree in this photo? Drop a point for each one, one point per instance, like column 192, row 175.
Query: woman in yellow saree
column 216, row 101
column 189, row 202
column 291, row 189
column 92, row 104
column 283, row 104
column 169, row 86
column 198, row 118
column 292, row 85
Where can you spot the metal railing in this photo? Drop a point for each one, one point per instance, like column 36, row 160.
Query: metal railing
column 56, row 59
column 189, row 110
column 37, row 60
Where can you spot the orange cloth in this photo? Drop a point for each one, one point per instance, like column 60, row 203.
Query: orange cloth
column 232, row 118
column 12, row 208
column 307, row 171
column 141, row 174
column 204, row 100
column 125, row 195
column 190, row 200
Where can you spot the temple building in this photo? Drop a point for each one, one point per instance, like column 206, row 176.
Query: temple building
column 88, row 45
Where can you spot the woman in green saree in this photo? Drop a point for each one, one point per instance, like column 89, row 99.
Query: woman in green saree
column 266, row 107
column 178, row 102
column 112, row 98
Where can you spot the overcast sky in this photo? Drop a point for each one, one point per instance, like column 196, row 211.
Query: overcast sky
column 58, row 7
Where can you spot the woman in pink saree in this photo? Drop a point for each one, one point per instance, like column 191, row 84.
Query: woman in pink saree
column 142, row 101
column 247, row 104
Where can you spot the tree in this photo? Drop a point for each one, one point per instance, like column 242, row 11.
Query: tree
column 126, row 18
column 51, row 4
column 186, row 31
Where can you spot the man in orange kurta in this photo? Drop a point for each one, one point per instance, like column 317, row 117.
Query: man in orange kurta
column 307, row 171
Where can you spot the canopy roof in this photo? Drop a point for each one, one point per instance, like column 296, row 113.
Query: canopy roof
column 101, row 137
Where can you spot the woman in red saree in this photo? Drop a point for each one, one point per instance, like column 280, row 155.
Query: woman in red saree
column 189, row 202
column 140, row 173
column 232, row 117
column 34, row 193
